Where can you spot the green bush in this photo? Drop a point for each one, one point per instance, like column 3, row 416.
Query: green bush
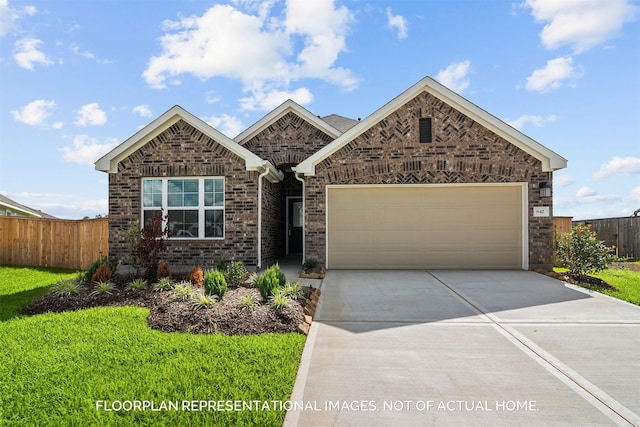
column 581, row 251
column 279, row 301
column 215, row 283
column 184, row 291
column 235, row 273
column 292, row 290
column 101, row 288
column 66, row 287
column 248, row 302
column 270, row 281
column 310, row 264
column 199, row 302
column 164, row 284
column 136, row 285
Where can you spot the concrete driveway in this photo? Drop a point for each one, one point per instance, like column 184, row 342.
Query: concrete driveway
column 482, row 348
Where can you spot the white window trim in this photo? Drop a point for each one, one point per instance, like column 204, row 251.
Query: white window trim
column 201, row 208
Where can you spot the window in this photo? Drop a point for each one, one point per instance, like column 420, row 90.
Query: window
column 425, row 130
column 194, row 206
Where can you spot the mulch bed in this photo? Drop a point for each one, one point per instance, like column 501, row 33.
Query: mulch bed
column 169, row 314
column 578, row 279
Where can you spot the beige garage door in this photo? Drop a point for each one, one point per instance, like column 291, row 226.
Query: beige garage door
column 447, row 226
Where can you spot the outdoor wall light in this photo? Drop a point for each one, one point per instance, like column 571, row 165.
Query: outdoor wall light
column 545, row 190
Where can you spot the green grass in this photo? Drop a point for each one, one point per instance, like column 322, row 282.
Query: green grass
column 626, row 282
column 19, row 285
column 54, row 367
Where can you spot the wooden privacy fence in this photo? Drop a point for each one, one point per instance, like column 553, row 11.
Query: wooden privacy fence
column 623, row 233
column 52, row 242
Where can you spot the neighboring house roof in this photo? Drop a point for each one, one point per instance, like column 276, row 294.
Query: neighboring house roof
column 341, row 123
column 279, row 112
column 109, row 162
column 22, row 210
column 550, row 160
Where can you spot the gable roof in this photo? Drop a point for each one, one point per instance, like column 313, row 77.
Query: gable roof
column 109, row 162
column 280, row 111
column 22, row 209
column 550, row 160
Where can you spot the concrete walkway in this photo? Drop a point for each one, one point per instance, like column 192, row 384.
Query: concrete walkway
column 482, row 348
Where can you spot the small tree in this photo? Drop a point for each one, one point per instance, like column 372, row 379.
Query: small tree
column 147, row 243
column 581, row 251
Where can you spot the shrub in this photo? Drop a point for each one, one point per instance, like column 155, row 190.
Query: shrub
column 110, row 261
column 66, row 287
column 248, row 302
column 215, row 283
column 270, row 281
column 292, row 290
column 310, row 264
column 102, row 274
column 136, row 285
column 202, row 301
column 279, row 301
column 103, row 288
column 581, row 251
column 163, row 270
column 147, row 243
column 236, row 273
column 164, row 284
column 184, row 291
column 196, row 277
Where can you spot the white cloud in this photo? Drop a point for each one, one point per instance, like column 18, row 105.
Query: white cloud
column 90, row 114
column 30, row 10
column 619, row 166
column 228, row 125
column 86, row 150
column 589, row 195
column 455, row 76
column 563, row 180
column 256, row 47
column 27, row 53
column 143, row 110
column 586, row 192
column 210, row 97
column 34, row 113
column 553, row 75
column 535, row 120
column 8, row 17
column 581, row 24
column 397, row 22
column 265, row 101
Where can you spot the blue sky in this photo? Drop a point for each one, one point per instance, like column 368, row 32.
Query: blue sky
column 79, row 77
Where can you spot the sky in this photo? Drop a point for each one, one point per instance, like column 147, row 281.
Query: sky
column 79, row 77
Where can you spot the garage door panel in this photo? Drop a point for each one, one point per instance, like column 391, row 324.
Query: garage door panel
column 453, row 226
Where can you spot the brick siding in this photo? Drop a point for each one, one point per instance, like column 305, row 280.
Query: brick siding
column 182, row 150
column 462, row 151
column 288, row 141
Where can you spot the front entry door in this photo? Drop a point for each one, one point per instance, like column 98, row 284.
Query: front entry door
column 295, row 221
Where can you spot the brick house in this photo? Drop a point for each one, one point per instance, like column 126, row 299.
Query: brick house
column 429, row 180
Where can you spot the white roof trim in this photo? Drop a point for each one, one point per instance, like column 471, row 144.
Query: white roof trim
column 19, row 209
column 109, row 162
column 279, row 112
column 550, row 160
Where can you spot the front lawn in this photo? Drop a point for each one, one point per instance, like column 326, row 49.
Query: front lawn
column 626, row 282
column 67, row 368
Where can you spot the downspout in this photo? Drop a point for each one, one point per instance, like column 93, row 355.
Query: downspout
column 262, row 175
column 304, row 211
